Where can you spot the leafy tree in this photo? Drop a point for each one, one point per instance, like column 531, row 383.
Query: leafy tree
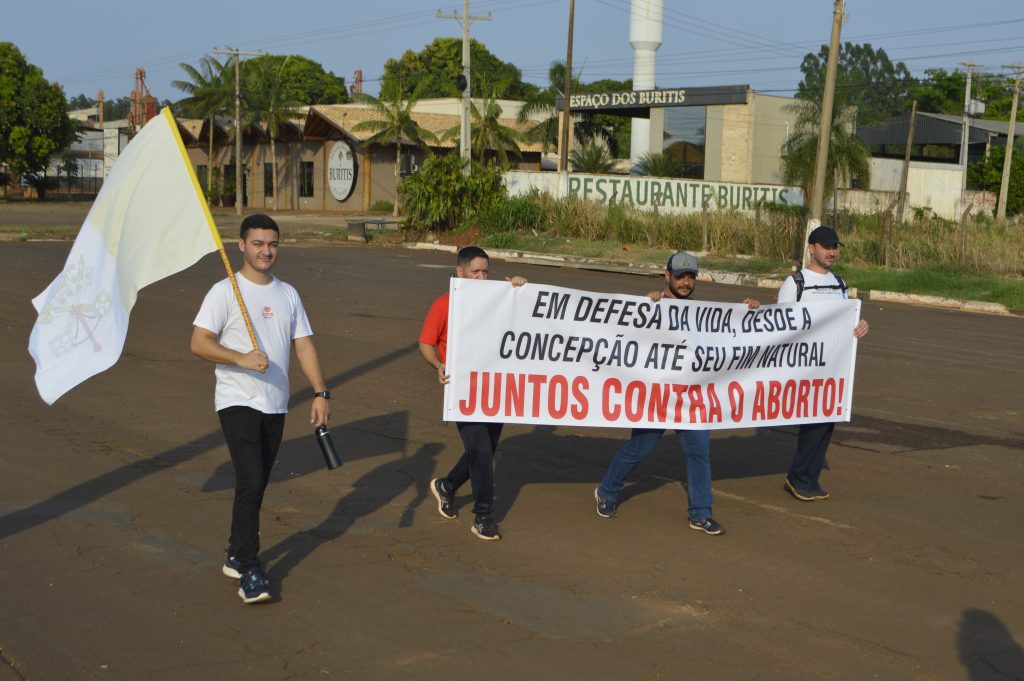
column 439, row 196
column 988, row 175
column 489, row 134
column 210, row 92
column 267, row 106
column 441, row 62
column 34, row 123
column 80, row 102
column 302, row 80
column 113, row 109
column 943, row 92
column 865, row 78
column 396, row 123
column 592, row 157
column 657, row 164
column 848, row 156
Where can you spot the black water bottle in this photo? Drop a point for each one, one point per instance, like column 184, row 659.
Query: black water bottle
column 326, row 442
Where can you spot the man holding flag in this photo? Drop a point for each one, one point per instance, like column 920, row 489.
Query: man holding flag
column 251, row 397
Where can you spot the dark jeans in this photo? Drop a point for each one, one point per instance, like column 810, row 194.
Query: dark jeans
column 253, row 439
column 476, row 463
column 811, row 447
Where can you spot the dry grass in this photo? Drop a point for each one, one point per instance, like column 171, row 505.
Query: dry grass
column 983, row 246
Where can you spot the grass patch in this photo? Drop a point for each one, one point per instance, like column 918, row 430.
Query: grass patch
column 945, row 281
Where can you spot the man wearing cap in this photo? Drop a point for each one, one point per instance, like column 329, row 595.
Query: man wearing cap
column 815, row 281
column 680, row 280
column 251, row 397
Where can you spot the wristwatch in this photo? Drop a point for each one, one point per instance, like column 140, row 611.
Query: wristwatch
column 326, row 394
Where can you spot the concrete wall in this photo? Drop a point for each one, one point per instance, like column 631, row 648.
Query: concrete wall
column 935, row 186
column 743, row 143
column 772, row 124
column 648, row 193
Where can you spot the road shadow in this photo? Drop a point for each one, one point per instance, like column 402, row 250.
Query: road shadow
column 90, row 491
column 370, row 493
column 547, row 455
column 301, row 456
column 987, row 649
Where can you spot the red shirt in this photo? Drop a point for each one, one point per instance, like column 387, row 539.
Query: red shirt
column 435, row 327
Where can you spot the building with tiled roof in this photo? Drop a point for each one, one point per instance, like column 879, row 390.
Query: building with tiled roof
column 310, row 161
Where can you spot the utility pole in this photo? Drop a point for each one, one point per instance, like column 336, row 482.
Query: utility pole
column 906, row 167
column 825, row 129
column 1004, row 185
column 563, row 156
column 238, row 124
column 465, row 143
column 965, row 131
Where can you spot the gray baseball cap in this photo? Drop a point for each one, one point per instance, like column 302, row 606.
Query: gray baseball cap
column 681, row 263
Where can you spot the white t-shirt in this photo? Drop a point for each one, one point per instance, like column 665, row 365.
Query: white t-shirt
column 277, row 319
column 787, row 292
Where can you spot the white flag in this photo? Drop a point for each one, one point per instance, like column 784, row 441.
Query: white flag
column 148, row 222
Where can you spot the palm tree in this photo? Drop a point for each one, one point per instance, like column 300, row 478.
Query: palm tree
column 659, row 164
column 210, row 91
column 488, row 132
column 585, row 128
column 848, row 156
column 396, row 124
column 592, row 157
column 267, row 107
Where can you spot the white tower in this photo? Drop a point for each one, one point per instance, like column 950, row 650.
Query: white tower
column 645, row 38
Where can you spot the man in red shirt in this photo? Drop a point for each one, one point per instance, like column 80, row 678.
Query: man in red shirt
column 479, row 439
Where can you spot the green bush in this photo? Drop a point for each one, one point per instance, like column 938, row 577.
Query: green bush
column 512, row 214
column 382, row 206
column 441, row 197
column 499, row 240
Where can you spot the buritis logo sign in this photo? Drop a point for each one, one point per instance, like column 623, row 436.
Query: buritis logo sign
column 341, row 171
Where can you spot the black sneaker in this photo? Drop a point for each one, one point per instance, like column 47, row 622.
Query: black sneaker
column 485, row 528
column 232, row 568
column 605, row 508
column 707, row 525
column 254, row 587
column 445, row 499
column 815, row 494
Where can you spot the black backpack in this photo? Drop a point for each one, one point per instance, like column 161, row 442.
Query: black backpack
column 798, row 279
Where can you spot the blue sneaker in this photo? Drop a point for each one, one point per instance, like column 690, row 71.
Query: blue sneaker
column 232, row 568
column 707, row 525
column 445, row 499
column 254, row 587
column 485, row 528
column 605, row 508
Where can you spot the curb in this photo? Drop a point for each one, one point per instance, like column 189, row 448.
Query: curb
column 718, row 277
column 938, row 301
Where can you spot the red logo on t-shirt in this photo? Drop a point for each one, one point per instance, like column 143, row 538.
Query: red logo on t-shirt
column 268, row 312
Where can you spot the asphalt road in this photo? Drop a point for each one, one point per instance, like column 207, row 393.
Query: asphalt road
column 114, row 509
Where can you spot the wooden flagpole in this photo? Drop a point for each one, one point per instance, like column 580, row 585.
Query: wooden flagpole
column 212, row 226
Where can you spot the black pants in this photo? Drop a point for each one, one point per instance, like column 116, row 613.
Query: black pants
column 476, row 463
column 253, row 439
column 811, row 447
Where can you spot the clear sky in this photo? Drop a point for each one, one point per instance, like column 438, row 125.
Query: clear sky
column 88, row 46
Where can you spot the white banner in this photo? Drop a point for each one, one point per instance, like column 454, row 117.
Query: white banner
column 549, row 355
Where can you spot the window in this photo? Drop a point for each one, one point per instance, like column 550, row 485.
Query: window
column 202, row 174
column 268, row 179
column 306, row 179
column 684, row 138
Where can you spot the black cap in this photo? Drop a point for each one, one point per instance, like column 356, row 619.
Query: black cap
column 826, row 236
